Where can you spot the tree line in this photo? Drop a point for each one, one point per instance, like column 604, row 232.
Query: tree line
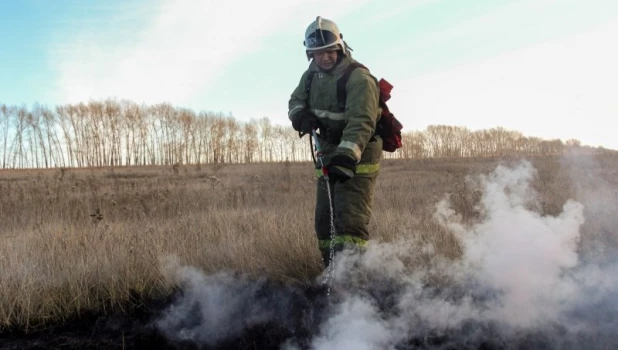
column 124, row 133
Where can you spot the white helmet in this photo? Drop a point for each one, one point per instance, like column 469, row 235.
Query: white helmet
column 321, row 34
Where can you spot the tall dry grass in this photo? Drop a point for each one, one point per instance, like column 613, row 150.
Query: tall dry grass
column 94, row 240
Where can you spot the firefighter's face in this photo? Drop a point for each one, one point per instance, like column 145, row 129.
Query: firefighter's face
column 325, row 59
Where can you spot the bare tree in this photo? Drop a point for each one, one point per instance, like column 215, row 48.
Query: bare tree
column 20, row 159
column 573, row 143
column 414, row 145
column 112, row 133
column 7, row 115
column 66, row 125
column 250, row 138
column 204, row 137
column 265, row 139
column 111, row 121
column 217, row 139
column 38, row 146
column 51, row 128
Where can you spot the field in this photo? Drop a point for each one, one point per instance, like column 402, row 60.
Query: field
column 96, row 241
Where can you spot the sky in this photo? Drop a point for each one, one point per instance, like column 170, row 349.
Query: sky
column 546, row 68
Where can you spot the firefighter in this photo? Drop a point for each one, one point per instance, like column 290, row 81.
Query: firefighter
column 346, row 126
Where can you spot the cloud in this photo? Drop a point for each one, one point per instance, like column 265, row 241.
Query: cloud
column 557, row 89
column 182, row 46
column 390, row 9
column 181, row 51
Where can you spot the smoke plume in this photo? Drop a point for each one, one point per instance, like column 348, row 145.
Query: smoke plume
column 520, row 283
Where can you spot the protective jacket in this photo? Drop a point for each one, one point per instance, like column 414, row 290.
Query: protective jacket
column 343, row 129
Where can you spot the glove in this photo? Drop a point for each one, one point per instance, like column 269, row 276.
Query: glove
column 341, row 168
column 305, row 122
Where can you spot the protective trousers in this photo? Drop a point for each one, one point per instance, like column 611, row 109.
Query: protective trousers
column 352, row 201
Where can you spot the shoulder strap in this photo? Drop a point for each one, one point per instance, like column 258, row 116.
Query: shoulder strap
column 308, row 81
column 343, row 81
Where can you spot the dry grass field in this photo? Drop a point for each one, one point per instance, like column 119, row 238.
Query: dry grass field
column 81, row 240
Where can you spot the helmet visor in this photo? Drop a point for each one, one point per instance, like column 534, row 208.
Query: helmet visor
column 320, row 39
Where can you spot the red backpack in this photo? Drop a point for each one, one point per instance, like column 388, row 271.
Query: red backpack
column 388, row 127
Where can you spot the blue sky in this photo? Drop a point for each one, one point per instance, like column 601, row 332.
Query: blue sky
column 546, row 68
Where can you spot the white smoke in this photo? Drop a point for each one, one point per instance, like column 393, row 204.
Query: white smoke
column 219, row 307
column 356, row 324
column 519, row 283
column 516, row 274
column 599, row 195
column 520, row 254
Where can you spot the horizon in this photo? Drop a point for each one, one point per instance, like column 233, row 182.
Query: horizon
column 543, row 68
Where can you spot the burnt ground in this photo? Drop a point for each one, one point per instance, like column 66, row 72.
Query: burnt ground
column 122, row 330
column 137, row 328
column 126, row 332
